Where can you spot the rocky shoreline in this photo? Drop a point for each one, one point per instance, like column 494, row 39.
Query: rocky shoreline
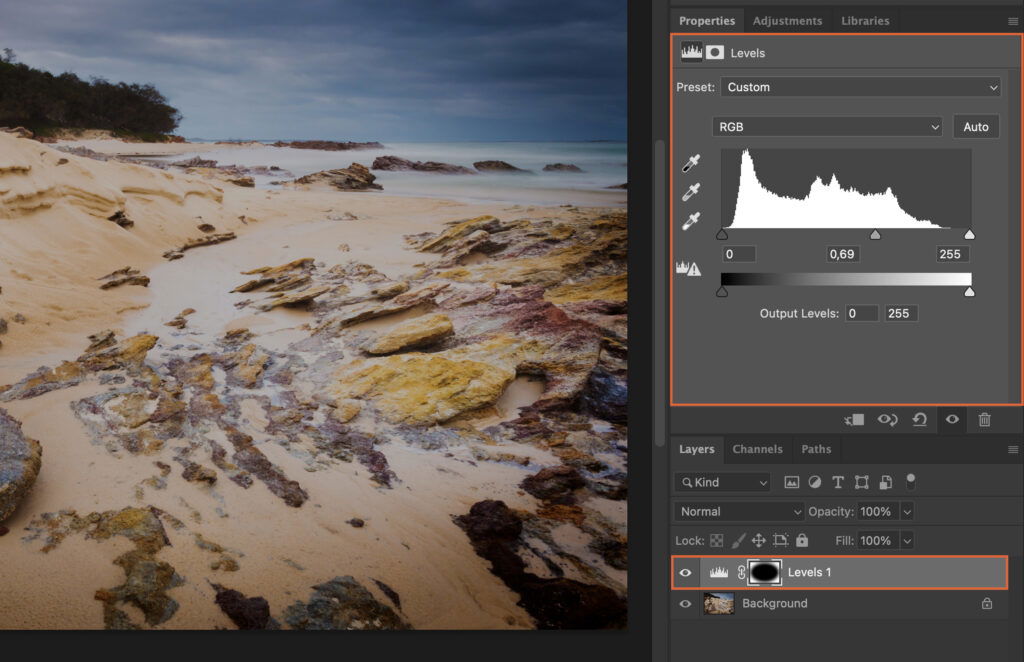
column 389, row 387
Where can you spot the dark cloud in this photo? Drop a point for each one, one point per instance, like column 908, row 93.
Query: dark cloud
column 383, row 69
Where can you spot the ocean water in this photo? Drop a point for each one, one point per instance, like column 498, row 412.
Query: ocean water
column 603, row 163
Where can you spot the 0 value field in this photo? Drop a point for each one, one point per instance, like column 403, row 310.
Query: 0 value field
column 862, row 312
column 739, row 254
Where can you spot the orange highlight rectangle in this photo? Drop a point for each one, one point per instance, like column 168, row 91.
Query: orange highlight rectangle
column 1004, row 587
column 671, row 187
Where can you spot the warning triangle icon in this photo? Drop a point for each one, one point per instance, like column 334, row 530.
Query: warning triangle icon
column 694, row 270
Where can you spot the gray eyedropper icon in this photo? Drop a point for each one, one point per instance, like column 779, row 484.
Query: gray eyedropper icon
column 692, row 191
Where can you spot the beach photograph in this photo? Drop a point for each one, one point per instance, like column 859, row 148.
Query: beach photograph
column 313, row 315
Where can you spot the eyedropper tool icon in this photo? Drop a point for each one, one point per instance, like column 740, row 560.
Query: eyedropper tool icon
column 692, row 191
column 694, row 217
column 692, row 162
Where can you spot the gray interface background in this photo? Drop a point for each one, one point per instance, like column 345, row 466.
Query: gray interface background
column 961, row 350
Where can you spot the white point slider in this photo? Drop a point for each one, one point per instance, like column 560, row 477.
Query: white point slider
column 969, row 234
column 969, row 292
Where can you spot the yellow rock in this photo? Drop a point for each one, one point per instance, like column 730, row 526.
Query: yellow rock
column 457, row 231
column 347, row 410
column 417, row 332
column 425, row 389
column 605, row 288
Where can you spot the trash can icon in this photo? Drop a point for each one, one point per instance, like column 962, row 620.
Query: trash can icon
column 984, row 419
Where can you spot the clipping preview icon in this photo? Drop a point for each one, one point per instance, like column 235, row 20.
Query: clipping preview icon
column 714, row 52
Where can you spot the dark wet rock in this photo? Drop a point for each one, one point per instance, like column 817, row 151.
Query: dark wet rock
column 195, row 162
column 356, row 177
column 208, row 240
column 147, row 581
column 207, row 228
column 104, row 353
column 180, row 321
column 357, row 523
column 607, row 394
column 197, row 473
column 20, row 461
column 243, row 181
column 328, row 145
column 343, row 604
column 615, row 552
column 124, row 276
column 121, row 219
column 250, row 458
column 3, row 326
column 395, row 163
column 246, row 613
column 614, row 486
column 562, row 167
column 496, row 166
column 282, row 277
column 390, row 592
column 345, row 443
column 554, row 603
column 554, row 483
column 619, row 186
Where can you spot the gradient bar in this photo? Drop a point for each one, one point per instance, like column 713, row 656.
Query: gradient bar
column 876, row 279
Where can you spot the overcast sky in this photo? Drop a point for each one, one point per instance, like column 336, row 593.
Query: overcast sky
column 348, row 69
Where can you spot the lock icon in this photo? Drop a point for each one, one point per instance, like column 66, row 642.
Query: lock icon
column 801, row 540
column 986, row 604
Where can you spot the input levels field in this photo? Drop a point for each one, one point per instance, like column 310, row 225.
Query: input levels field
column 910, row 573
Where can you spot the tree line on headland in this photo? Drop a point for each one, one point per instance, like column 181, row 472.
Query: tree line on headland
column 42, row 102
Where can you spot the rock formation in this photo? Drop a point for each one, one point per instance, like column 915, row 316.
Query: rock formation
column 328, row 145
column 395, row 163
column 356, row 177
column 562, row 167
column 20, row 460
column 496, row 166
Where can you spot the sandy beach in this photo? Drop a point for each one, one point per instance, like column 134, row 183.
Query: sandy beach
column 339, row 385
